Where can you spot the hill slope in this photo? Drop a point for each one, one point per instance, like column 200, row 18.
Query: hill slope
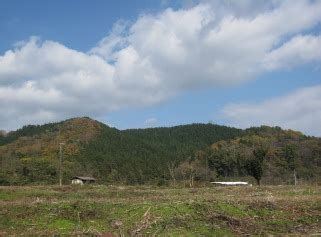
column 30, row 154
column 140, row 155
column 271, row 154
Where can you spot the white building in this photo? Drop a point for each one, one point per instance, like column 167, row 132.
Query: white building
column 230, row 183
column 82, row 180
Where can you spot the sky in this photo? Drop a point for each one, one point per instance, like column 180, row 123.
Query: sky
column 151, row 63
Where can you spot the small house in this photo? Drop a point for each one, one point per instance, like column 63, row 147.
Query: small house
column 82, row 180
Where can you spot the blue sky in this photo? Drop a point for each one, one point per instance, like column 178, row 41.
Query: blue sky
column 78, row 24
column 161, row 63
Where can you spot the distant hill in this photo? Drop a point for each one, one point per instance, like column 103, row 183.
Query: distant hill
column 140, row 155
column 137, row 156
column 29, row 155
column 280, row 154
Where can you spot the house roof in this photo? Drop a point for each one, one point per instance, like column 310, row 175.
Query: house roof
column 84, row 178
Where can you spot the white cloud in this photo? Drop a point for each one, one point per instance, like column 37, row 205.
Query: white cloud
column 116, row 39
column 297, row 51
column 151, row 122
column 300, row 110
column 47, row 81
column 158, row 56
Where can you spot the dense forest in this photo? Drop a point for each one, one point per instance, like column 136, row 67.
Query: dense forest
column 189, row 153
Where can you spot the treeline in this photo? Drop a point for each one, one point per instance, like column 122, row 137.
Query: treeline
column 140, row 156
column 269, row 154
column 196, row 152
column 29, row 130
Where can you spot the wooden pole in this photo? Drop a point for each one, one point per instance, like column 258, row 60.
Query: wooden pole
column 295, row 179
column 60, row 163
column 206, row 168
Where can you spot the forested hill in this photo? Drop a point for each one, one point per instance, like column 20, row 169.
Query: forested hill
column 30, row 154
column 183, row 139
column 135, row 156
column 143, row 155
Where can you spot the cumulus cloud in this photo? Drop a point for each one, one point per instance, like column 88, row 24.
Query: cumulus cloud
column 211, row 43
column 297, row 51
column 46, row 81
column 300, row 110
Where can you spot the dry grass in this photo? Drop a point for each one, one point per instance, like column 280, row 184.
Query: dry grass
column 137, row 210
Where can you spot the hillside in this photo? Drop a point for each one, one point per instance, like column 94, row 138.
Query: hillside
column 143, row 155
column 269, row 154
column 153, row 155
column 29, row 155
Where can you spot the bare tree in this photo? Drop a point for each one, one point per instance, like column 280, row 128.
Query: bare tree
column 171, row 168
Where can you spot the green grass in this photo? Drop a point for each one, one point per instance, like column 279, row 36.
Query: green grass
column 129, row 210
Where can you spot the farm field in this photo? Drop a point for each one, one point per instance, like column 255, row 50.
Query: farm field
column 147, row 210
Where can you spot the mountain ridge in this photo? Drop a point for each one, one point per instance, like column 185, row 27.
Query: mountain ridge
column 126, row 156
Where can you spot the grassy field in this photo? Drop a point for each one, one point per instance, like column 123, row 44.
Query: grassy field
column 145, row 210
